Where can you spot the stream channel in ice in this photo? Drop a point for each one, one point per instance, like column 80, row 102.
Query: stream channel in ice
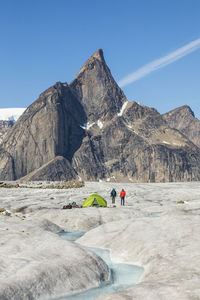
column 122, row 275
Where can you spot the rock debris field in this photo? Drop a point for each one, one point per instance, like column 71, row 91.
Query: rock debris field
column 157, row 229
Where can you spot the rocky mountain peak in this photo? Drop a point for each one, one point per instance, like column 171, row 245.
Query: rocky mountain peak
column 97, row 90
column 183, row 119
column 187, row 109
column 184, row 111
column 98, row 54
column 94, row 58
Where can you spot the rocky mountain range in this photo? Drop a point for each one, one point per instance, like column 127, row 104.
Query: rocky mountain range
column 89, row 130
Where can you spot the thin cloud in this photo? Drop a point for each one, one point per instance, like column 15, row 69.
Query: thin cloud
column 160, row 63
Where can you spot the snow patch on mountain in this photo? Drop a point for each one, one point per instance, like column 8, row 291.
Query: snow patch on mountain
column 87, row 126
column 122, row 109
column 100, row 124
column 11, row 114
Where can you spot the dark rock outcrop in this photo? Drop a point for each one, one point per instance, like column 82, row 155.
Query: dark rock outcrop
column 89, row 129
column 58, row 168
column 183, row 119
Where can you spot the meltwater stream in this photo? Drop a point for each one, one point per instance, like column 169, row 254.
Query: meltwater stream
column 122, row 275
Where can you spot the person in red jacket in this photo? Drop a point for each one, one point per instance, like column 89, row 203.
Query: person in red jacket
column 122, row 196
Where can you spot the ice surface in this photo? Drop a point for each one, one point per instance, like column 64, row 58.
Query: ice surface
column 33, row 259
column 36, row 263
column 71, row 236
column 122, row 275
column 155, row 214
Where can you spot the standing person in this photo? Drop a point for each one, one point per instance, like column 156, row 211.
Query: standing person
column 122, row 196
column 113, row 194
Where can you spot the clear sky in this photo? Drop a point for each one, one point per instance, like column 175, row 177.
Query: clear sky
column 45, row 41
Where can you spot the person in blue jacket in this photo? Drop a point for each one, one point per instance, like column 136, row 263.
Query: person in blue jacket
column 113, row 194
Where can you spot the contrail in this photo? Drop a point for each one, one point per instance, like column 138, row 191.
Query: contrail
column 160, row 63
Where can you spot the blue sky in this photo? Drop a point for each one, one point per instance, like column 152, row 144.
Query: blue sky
column 49, row 40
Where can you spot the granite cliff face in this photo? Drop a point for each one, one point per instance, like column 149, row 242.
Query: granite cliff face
column 47, row 129
column 89, row 129
column 4, row 128
column 183, row 119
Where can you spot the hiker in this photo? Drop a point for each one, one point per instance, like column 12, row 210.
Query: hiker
column 113, row 194
column 122, row 196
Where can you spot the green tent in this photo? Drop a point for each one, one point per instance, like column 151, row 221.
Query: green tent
column 94, row 200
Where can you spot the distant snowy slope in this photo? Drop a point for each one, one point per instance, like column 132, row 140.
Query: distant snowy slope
column 11, row 114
